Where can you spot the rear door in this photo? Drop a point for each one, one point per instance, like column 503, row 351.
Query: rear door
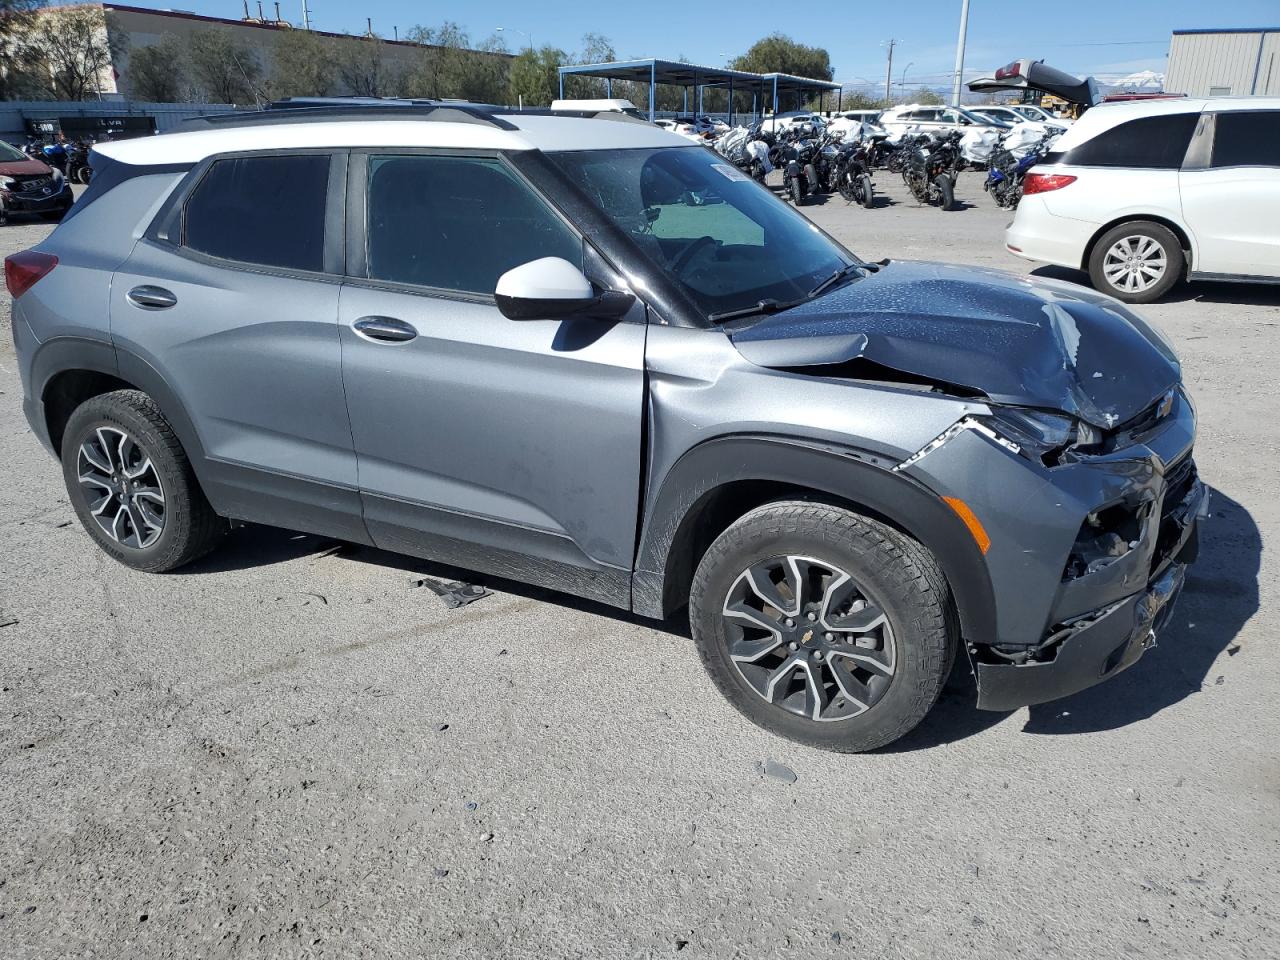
column 1231, row 196
column 513, row 447
column 232, row 298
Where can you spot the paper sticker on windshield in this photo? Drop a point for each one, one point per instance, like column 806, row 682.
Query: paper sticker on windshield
column 728, row 172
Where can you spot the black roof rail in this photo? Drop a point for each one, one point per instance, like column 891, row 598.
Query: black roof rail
column 337, row 109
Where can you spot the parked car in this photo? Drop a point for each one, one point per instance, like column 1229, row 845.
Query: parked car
column 612, row 105
column 550, row 366
column 777, row 123
column 929, row 119
column 1146, row 193
column 1038, row 114
column 29, row 185
column 1013, row 116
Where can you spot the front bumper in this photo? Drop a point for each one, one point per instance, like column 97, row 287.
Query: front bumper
column 38, row 202
column 1098, row 645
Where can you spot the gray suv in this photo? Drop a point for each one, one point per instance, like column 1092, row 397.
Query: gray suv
column 584, row 353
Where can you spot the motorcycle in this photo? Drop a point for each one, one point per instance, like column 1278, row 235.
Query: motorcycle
column 851, row 173
column 931, row 167
column 1008, row 166
column 797, row 151
column 78, row 169
column 747, row 148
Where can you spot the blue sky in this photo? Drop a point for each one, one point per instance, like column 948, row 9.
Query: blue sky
column 1106, row 38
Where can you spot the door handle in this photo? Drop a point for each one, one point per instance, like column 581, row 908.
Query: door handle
column 151, row 298
column 384, row 329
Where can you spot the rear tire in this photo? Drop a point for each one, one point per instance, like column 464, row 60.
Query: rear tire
column 1137, row 262
column 895, row 659
column 797, row 193
column 868, row 192
column 132, row 485
column 946, row 191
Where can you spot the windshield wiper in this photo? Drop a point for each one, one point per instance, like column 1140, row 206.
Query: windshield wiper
column 764, row 306
column 835, row 278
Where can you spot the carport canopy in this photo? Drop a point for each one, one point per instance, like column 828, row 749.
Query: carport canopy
column 769, row 88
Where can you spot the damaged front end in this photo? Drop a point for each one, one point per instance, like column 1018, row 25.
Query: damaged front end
column 1089, row 544
column 1071, row 465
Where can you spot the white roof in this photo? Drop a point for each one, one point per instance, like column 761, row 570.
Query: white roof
column 1107, row 115
column 533, row 132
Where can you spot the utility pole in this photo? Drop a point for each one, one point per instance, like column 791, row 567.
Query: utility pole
column 888, row 74
column 964, row 30
column 306, row 16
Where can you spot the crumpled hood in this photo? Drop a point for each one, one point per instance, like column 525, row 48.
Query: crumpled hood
column 1017, row 340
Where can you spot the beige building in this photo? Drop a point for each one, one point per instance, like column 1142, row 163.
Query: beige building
column 1219, row 63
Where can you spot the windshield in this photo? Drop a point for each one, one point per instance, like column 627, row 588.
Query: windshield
column 726, row 240
column 9, row 154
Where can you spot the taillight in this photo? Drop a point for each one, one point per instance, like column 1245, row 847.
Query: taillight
column 23, row 270
column 1044, row 182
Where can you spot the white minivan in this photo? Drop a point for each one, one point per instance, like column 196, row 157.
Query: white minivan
column 1147, row 193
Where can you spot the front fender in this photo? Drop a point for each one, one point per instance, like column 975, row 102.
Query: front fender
column 851, row 475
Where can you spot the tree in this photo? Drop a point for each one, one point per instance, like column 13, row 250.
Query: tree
column 928, row 97
column 535, row 77
column 778, row 53
column 71, row 44
column 450, row 67
column 155, row 72
column 302, row 65
column 223, row 68
column 362, row 69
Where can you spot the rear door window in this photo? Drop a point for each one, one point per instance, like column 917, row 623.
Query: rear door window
column 1153, row 143
column 268, row 211
column 1247, row 139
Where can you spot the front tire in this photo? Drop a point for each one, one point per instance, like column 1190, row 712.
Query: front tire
column 1137, row 262
column 823, row 626
column 132, row 485
column 796, row 191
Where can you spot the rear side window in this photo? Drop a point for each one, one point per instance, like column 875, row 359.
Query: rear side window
column 1153, row 143
column 1247, row 139
column 457, row 223
column 261, row 210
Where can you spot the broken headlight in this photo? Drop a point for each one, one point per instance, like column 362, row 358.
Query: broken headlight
column 1040, row 434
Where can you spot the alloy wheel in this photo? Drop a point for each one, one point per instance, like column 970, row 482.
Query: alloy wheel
column 121, row 488
column 805, row 637
column 1134, row 264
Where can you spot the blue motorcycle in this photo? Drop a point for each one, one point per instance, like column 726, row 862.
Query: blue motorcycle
column 1006, row 172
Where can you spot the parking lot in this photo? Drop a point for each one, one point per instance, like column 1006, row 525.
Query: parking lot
column 289, row 749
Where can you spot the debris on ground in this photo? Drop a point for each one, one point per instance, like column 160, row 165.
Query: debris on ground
column 1233, row 650
column 319, row 596
column 8, row 623
column 328, row 552
column 455, row 594
column 779, row 771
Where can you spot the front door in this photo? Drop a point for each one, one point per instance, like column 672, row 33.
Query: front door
column 498, row 445
column 1232, row 206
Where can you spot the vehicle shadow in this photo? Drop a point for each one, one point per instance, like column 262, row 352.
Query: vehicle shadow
column 252, row 545
column 1200, row 291
column 1220, row 596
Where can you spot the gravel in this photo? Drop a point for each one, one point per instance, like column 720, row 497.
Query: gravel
column 215, row 763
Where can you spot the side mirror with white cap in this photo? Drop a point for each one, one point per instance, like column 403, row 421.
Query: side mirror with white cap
column 553, row 289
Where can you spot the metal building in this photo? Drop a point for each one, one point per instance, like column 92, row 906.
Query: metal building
column 1228, row 62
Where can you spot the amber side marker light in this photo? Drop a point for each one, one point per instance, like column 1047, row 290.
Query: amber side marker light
column 976, row 529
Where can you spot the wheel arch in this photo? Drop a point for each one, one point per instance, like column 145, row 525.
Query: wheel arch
column 718, row 481
column 70, row 371
column 1179, row 231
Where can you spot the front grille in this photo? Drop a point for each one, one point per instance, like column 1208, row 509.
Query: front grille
column 32, row 184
